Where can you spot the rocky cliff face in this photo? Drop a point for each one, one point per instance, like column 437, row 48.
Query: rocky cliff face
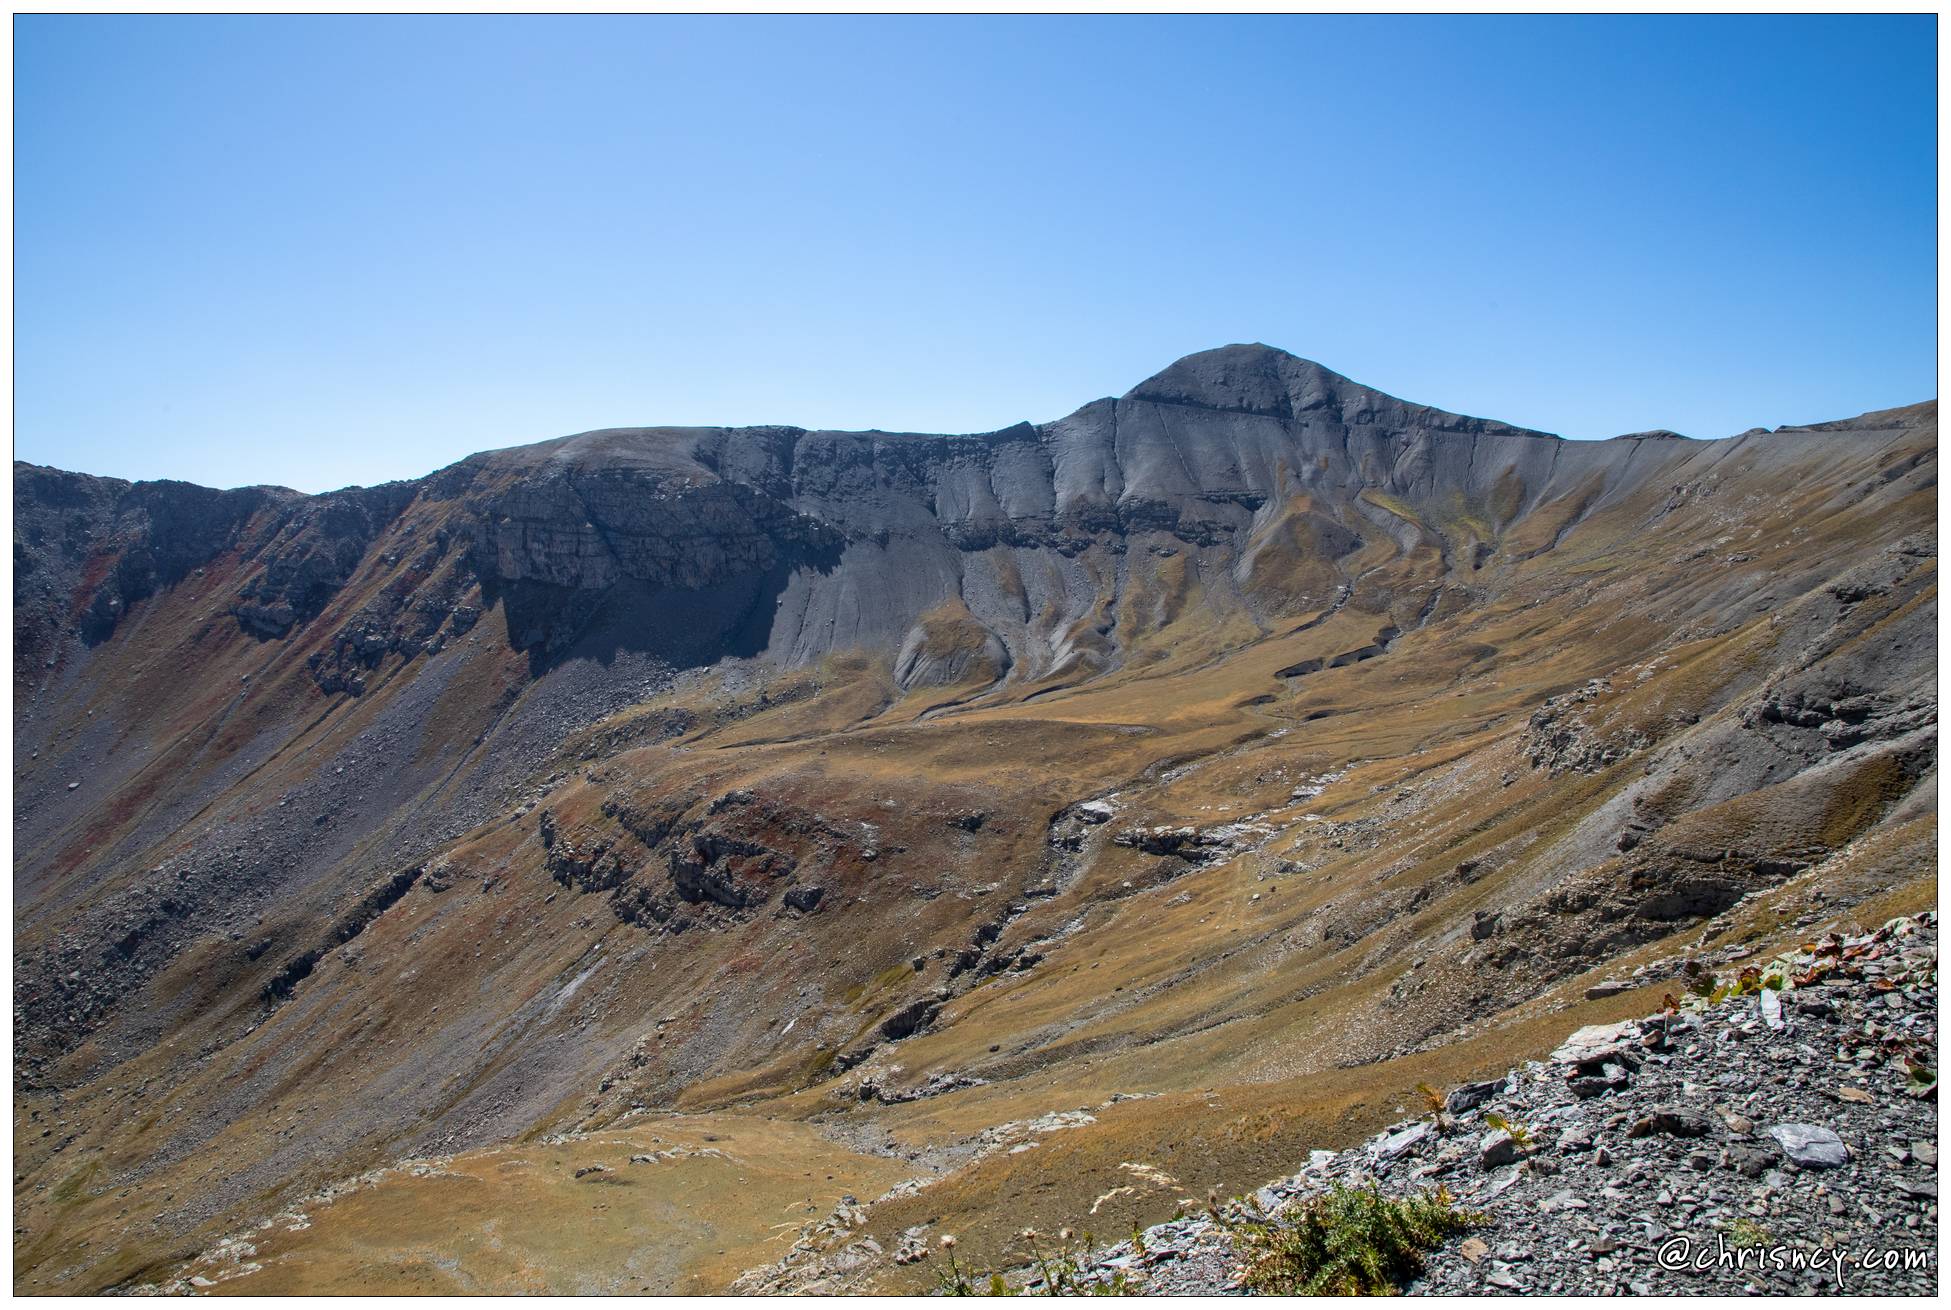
column 86, row 549
column 1253, row 700
column 1273, row 472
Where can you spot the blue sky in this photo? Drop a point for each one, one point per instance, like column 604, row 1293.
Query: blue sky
column 319, row 251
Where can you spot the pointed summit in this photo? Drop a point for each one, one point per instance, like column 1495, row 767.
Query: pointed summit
column 1261, row 379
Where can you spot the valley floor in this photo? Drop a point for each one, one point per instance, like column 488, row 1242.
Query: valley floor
column 1675, row 1153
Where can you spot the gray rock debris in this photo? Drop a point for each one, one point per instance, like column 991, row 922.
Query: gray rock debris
column 1581, row 1195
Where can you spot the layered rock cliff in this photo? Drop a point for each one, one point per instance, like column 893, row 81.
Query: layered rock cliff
column 1273, row 472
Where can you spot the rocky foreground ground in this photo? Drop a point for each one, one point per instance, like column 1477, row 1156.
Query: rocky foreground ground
column 1774, row 1130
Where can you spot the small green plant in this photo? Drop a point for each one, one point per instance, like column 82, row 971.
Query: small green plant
column 1745, row 1234
column 1433, row 1100
column 1519, row 1133
column 952, row 1279
column 1347, row 1241
column 1921, row 1076
column 1065, row 1268
column 1060, row 1270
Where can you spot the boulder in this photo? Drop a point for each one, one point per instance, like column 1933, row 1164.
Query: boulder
column 1810, row 1146
column 1471, row 1095
column 1594, row 1039
column 1672, row 1121
column 1393, row 1146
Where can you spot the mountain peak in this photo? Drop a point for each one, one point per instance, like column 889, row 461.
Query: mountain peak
column 1252, row 377
column 1255, row 378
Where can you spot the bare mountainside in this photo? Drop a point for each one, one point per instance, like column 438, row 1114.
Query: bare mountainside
column 1038, row 826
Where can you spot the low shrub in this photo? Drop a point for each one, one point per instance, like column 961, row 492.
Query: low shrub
column 1347, row 1241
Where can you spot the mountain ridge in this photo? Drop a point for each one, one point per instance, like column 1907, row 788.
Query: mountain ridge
column 1255, row 357
column 1264, row 425
column 861, row 785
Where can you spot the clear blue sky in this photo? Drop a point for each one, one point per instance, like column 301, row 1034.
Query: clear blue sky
column 319, row 251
